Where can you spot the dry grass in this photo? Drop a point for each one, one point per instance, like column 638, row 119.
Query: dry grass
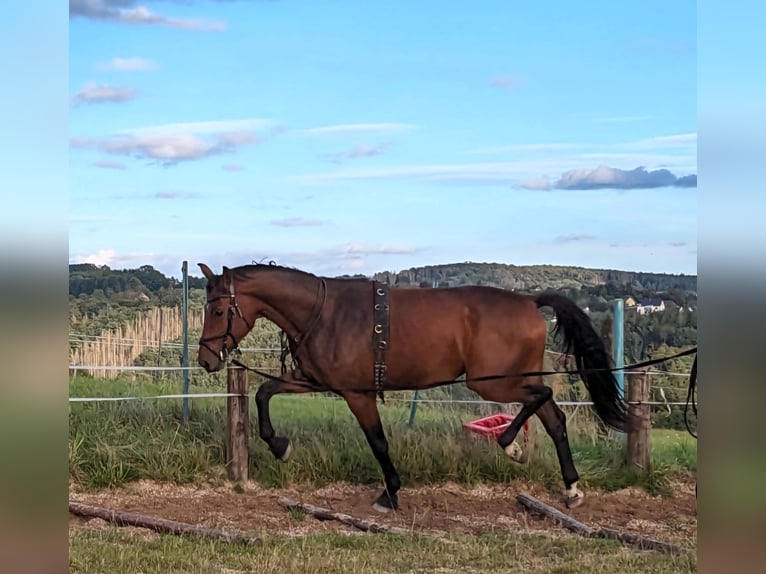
column 121, row 347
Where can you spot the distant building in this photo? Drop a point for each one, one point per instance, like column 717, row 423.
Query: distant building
column 652, row 305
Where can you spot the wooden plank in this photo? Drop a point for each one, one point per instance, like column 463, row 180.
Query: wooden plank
column 567, row 522
column 639, row 541
column 570, row 523
column 327, row 514
column 238, row 424
column 158, row 524
column 638, row 438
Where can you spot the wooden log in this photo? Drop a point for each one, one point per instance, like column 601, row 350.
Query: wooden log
column 567, row 522
column 327, row 514
column 570, row 523
column 238, row 424
column 638, row 438
column 163, row 525
column 636, row 540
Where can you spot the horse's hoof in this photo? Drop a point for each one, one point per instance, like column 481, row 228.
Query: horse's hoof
column 282, row 448
column 575, row 501
column 288, row 452
column 386, row 503
column 574, row 496
column 515, row 452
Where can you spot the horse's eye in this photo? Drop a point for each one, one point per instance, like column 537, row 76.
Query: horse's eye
column 218, row 313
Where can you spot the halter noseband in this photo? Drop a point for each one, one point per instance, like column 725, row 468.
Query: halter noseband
column 232, row 312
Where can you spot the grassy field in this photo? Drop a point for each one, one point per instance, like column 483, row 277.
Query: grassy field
column 111, row 550
column 111, row 443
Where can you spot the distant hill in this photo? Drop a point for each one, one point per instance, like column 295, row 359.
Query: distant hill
column 86, row 279
column 536, row 277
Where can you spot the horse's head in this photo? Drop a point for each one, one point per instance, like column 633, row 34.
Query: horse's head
column 225, row 322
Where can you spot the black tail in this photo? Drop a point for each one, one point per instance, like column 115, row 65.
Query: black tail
column 590, row 353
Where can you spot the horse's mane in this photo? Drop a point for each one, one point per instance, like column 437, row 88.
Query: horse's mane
column 248, row 271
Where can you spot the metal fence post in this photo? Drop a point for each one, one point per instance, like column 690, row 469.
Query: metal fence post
column 185, row 356
column 618, row 349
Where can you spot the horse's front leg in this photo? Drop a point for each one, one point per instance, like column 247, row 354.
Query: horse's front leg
column 365, row 410
column 278, row 445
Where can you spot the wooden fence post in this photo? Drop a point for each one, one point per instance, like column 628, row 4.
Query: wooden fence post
column 238, row 424
column 638, row 438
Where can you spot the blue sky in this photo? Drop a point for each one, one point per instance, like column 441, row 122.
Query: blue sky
column 355, row 137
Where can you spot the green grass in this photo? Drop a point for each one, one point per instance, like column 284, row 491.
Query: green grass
column 114, row 550
column 113, row 443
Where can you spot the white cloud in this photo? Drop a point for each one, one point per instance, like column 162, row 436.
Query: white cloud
column 676, row 153
column 517, row 174
column 356, row 152
column 203, row 127
column 488, row 172
column 297, row 222
column 664, row 142
column 604, row 177
column 537, row 183
column 102, row 257
column 620, row 119
column 173, row 143
column 362, row 249
column 107, row 164
column 573, row 237
column 126, row 12
column 97, row 93
column 130, row 65
column 506, row 81
column 686, row 142
column 355, row 129
column 528, row 147
column 90, row 218
column 167, row 150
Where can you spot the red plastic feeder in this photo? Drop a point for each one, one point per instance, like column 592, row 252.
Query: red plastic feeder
column 493, row 426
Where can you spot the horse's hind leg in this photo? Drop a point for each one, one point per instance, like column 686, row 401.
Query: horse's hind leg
column 366, row 412
column 554, row 421
column 531, row 397
column 537, row 399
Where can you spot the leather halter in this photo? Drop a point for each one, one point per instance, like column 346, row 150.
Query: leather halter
column 233, row 311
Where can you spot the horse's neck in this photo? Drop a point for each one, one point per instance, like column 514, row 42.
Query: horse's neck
column 289, row 297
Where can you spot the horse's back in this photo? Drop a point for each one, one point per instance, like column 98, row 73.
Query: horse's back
column 470, row 299
column 440, row 330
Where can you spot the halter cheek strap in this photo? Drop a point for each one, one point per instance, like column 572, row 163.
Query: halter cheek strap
column 233, row 311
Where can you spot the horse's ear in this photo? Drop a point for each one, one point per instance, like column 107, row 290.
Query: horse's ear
column 206, row 271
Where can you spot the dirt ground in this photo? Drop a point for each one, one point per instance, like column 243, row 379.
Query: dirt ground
column 441, row 509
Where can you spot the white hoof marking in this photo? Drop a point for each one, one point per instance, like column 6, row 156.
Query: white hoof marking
column 381, row 509
column 288, row 452
column 514, row 451
column 574, row 496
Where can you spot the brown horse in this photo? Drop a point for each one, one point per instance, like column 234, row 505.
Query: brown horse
column 354, row 338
